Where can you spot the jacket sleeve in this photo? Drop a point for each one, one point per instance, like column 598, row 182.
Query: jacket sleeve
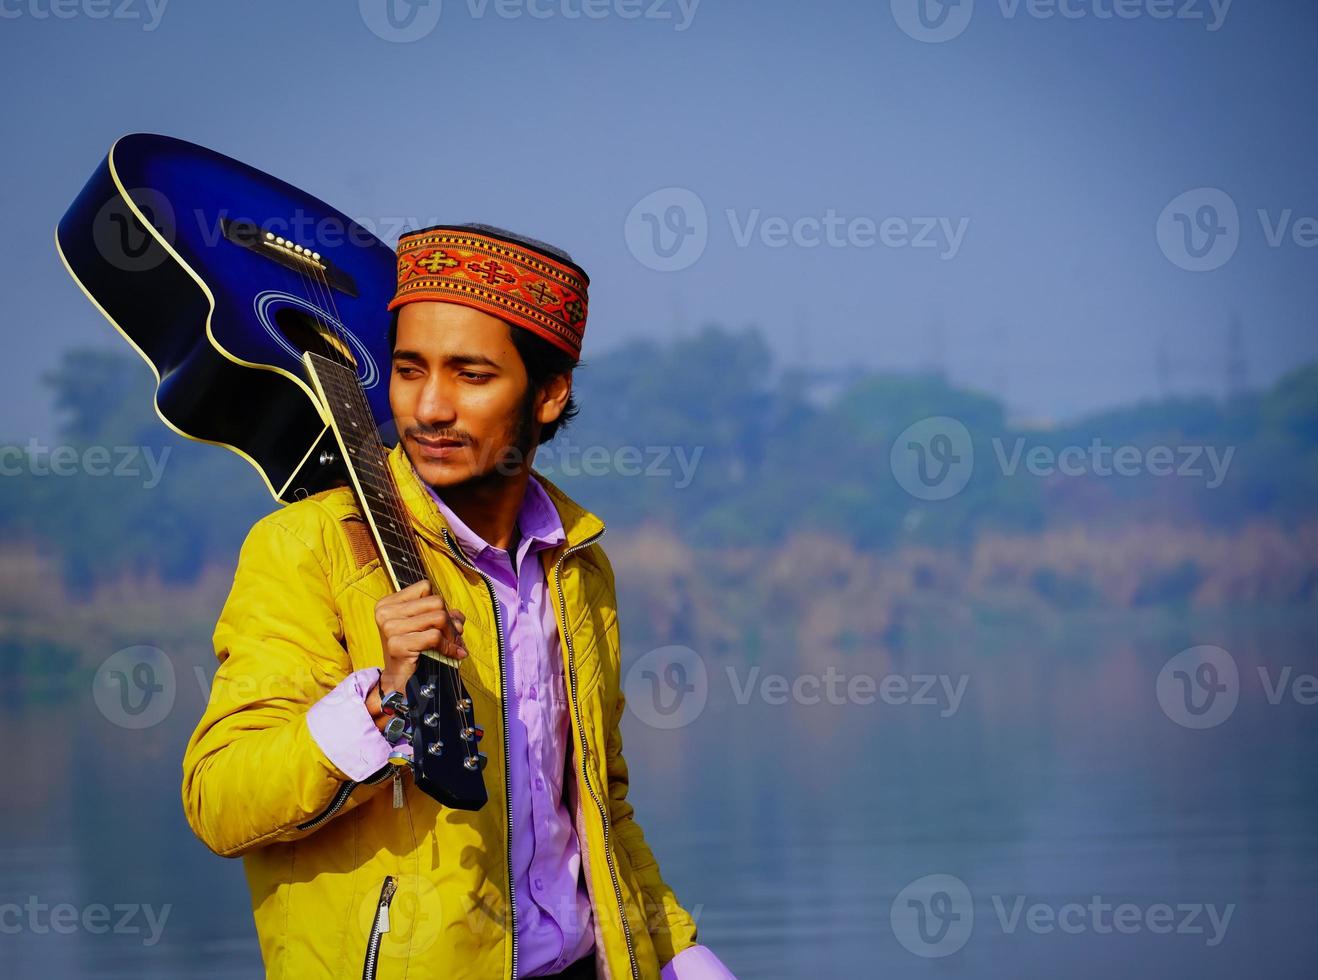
column 253, row 770
column 671, row 926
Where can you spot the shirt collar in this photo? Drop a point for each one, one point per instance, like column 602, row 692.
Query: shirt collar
column 537, row 520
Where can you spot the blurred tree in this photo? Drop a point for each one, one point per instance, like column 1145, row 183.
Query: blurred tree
column 705, row 438
column 143, row 500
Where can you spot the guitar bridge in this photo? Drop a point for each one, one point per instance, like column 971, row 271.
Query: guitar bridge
column 288, row 253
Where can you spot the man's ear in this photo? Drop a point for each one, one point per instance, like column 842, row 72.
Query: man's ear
column 553, row 398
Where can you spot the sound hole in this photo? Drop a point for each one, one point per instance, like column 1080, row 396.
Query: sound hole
column 306, row 333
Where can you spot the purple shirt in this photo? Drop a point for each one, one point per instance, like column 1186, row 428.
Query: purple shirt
column 553, row 907
column 554, row 927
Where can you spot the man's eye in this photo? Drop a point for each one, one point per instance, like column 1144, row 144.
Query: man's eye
column 474, row 375
column 405, row 371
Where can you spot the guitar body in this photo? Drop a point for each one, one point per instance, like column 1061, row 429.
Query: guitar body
column 223, row 324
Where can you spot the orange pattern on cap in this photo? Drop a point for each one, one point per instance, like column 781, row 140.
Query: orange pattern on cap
column 507, row 279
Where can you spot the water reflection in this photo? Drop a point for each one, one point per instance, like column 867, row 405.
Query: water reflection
column 792, row 830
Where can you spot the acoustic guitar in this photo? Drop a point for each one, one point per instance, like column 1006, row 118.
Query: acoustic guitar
column 261, row 311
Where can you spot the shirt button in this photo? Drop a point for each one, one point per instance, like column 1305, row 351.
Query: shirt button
column 531, row 693
column 539, row 783
column 539, row 884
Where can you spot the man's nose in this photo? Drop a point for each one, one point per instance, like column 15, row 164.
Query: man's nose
column 435, row 406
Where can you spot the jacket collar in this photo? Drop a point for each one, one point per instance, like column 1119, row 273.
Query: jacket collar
column 579, row 524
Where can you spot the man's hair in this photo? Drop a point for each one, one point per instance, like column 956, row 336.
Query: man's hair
column 542, row 359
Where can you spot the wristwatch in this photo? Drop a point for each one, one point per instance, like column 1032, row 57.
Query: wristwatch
column 391, row 703
column 395, row 730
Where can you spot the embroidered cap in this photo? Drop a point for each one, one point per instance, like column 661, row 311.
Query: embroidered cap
column 504, row 277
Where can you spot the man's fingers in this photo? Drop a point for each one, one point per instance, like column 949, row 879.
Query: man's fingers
column 417, row 590
column 423, row 640
column 412, row 624
column 434, row 641
column 433, row 610
column 414, row 607
column 384, row 608
column 413, row 620
column 387, row 610
column 411, row 599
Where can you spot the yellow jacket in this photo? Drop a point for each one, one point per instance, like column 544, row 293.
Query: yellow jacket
column 321, row 851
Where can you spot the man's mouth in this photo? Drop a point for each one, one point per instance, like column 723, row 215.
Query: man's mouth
column 438, row 443
column 437, row 450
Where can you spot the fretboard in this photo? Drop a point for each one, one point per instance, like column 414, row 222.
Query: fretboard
column 368, row 467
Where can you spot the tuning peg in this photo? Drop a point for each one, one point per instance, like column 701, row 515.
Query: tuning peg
column 476, row 762
column 473, row 733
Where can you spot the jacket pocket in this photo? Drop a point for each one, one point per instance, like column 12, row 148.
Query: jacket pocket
column 379, row 926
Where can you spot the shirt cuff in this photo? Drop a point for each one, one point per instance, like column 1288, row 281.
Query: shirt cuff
column 696, row 963
column 345, row 730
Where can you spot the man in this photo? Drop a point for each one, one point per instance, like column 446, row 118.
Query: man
column 354, row 872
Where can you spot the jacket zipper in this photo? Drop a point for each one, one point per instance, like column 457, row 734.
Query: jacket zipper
column 604, row 813
column 507, row 748
column 379, row 927
column 341, row 796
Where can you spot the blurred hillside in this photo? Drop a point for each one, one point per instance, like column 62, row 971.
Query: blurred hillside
column 706, row 444
column 747, row 517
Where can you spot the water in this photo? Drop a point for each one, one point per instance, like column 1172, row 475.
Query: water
column 1057, row 785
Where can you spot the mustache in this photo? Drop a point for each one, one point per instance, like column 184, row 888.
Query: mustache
column 427, row 433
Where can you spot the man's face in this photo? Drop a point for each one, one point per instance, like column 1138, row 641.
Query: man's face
column 459, row 395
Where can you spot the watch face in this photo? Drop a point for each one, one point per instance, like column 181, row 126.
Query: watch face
column 393, row 731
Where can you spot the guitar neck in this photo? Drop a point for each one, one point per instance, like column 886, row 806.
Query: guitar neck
column 349, row 415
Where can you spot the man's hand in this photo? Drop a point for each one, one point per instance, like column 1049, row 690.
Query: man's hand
column 411, row 621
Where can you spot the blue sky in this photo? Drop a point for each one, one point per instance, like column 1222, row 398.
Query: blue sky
column 994, row 198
